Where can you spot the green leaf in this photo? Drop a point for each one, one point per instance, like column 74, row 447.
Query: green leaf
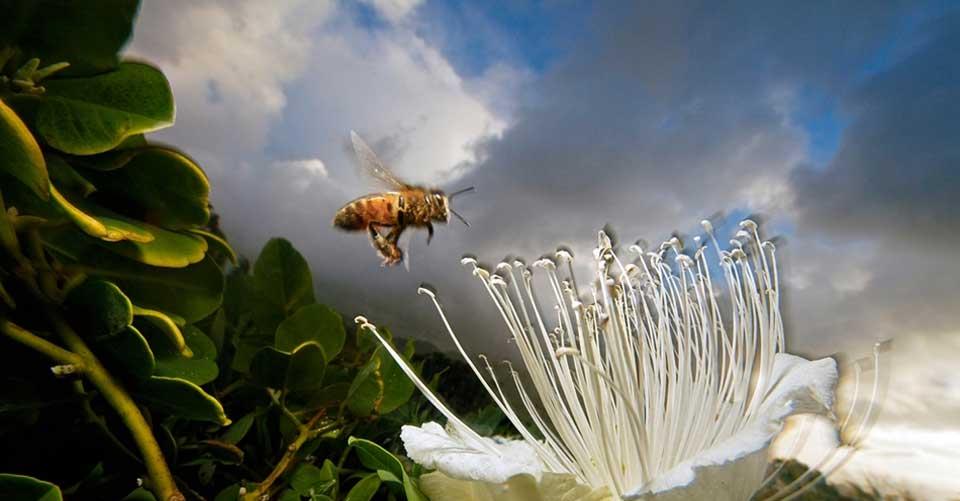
column 68, row 206
column 397, row 387
column 238, row 296
column 139, row 494
column 27, row 488
column 282, row 283
column 229, row 493
column 304, row 377
column 128, row 237
column 388, row 477
column 314, row 322
column 89, row 35
column 307, row 477
column 154, row 320
column 84, row 116
column 168, row 443
column 218, row 329
column 182, row 399
column 365, row 489
column 98, row 308
column 268, row 367
column 65, row 176
column 375, row 457
column 156, row 184
column 200, row 369
column 217, row 244
column 192, row 292
column 289, row 495
column 238, row 429
column 131, row 351
column 168, row 249
column 381, row 385
column 366, row 389
column 245, row 348
column 21, row 154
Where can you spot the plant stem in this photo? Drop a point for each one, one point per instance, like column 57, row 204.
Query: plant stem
column 101, row 423
column 161, row 480
column 306, row 433
column 23, row 336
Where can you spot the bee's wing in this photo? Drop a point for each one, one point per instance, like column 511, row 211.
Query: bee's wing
column 372, row 166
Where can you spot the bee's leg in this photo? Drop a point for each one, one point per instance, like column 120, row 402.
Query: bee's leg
column 376, row 239
column 386, row 246
column 429, row 232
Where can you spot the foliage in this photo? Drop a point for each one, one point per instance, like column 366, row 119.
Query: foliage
column 135, row 348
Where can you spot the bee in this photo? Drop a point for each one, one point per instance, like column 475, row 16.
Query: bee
column 404, row 206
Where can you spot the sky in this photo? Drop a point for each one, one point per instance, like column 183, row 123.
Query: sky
column 833, row 123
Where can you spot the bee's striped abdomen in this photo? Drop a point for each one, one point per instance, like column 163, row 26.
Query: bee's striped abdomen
column 358, row 214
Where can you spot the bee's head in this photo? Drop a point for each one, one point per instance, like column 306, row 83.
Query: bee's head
column 445, row 204
column 439, row 206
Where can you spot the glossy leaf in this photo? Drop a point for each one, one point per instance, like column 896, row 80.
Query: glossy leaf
column 282, row 283
column 168, row 249
column 98, row 308
column 84, row 116
column 65, row 176
column 156, row 184
column 268, row 367
column 397, row 387
column 167, row 326
column 304, row 376
column 307, row 478
column 129, row 350
column 21, row 154
column 377, row 458
column 314, row 322
column 365, row 489
column 192, row 292
column 139, row 494
column 217, row 244
column 24, row 487
column 365, row 390
column 199, row 369
column 182, row 399
column 87, row 34
column 238, row 429
column 380, row 386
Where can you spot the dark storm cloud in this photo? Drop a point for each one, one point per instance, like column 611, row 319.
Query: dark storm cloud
column 673, row 111
column 897, row 174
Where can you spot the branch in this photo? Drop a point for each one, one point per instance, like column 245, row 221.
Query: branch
column 306, row 433
column 161, row 480
column 25, row 337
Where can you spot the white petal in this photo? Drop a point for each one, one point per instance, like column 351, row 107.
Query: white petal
column 433, row 447
column 801, row 386
column 552, row 487
column 735, row 468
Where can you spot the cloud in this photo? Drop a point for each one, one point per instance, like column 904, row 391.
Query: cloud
column 896, row 176
column 227, row 63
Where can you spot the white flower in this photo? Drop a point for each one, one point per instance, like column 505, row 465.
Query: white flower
column 639, row 389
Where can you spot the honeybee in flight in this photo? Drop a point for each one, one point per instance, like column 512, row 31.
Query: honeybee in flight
column 406, row 205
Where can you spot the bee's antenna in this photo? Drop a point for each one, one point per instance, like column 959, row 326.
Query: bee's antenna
column 464, row 221
column 460, row 192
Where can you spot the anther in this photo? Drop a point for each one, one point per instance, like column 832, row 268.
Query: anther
column 427, row 289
